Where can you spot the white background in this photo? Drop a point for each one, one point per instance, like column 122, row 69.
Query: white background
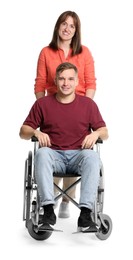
column 26, row 27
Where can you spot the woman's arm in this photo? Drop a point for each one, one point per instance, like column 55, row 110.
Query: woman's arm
column 39, row 95
column 90, row 93
column 89, row 74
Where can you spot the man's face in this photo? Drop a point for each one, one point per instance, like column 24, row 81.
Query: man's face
column 66, row 82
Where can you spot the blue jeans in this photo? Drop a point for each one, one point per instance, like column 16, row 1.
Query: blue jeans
column 85, row 162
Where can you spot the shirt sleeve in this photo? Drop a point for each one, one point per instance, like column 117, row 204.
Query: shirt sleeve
column 34, row 117
column 89, row 72
column 41, row 74
column 96, row 118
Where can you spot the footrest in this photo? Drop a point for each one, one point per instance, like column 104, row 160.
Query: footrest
column 46, row 227
column 91, row 229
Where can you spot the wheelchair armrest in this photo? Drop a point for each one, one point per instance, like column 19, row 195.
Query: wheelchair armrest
column 34, row 139
column 99, row 141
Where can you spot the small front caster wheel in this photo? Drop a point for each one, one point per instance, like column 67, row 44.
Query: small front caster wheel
column 105, row 231
column 38, row 235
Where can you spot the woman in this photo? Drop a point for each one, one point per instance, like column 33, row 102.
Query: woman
column 65, row 46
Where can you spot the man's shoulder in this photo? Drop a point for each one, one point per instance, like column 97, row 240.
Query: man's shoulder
column 84, row 99
column 46, row 99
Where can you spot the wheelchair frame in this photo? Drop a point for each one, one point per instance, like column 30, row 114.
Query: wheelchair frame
column 32, row 213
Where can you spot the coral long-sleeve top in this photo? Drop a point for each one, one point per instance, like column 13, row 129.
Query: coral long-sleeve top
column 49, row 60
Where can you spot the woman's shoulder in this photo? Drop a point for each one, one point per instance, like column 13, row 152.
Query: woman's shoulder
column 46, row 49
column 47, row 52
column 85, row 49
column 86, row 52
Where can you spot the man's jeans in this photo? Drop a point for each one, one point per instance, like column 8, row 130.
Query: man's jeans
column 85, row 162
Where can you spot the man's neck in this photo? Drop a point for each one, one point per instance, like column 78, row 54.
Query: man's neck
column 65, row 99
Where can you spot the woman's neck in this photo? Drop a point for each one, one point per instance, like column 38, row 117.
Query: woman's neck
column 65, row 46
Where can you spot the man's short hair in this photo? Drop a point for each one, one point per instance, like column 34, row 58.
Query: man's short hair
column 65, row 66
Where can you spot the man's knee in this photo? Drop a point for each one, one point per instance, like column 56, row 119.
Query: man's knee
column 43, row 153
column 90, row 154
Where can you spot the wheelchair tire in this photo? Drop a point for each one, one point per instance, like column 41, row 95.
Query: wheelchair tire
column 28, row 186
column 104, row 233
column 40, row 235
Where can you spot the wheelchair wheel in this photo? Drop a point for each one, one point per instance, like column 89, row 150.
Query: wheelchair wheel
column 104, row 233
column 27, row 188
column 40, row 235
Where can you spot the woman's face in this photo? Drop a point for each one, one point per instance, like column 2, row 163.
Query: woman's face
column 67, row 29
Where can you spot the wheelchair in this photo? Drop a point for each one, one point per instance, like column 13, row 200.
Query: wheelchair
column 32, row 213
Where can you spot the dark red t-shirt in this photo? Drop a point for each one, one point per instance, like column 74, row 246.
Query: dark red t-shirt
column 66, row 124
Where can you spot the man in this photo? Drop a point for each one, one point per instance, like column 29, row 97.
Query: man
column 69, row 125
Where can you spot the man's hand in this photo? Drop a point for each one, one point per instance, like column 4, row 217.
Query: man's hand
column 43, row 138
column 90, row 140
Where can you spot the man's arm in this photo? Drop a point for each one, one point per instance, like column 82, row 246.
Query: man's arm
column 26, row 132
column 102, row 133
column 91, row 139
